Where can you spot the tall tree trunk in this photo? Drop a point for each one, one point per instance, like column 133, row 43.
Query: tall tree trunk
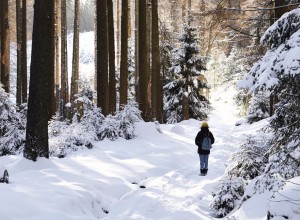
column 57, row 54
column 19, row 52
column 118, row 33
column 75, row 58
column 41, row 78
column 5, row 45
column 64, row 83
column 148, row 45
column 156, row 92
column 24, row 51
column 124, row 54
column 102, row 56
column 112, row 66
column 136, row 36
column 143, row 65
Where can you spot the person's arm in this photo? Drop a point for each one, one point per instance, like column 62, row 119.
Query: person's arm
column 197, row 139
column 211, row 138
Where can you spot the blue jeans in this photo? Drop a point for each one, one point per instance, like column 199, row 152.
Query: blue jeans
column 203, row 161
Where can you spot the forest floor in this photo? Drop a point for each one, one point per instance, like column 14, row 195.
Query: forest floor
column 154, row 176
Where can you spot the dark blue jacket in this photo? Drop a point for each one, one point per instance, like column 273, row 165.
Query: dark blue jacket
column 204, row 132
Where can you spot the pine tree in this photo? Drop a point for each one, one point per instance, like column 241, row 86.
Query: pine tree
column 230, row 191
column 184, row 85
column 278, row 73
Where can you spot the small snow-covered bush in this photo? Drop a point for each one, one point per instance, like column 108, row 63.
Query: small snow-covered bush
column 65, row 138
column 109, row 128
column 86, row 124
column 127, row 117
column 12, row 126
column 230, row 191
column 248, row 162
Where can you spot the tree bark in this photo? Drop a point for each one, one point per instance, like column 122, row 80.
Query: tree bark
column 102, row 56
column 124, row 54
column 64, row 83
column 75, row 58
column 41, row 80
column 157, row 101
column 112, row 66
column 57, row 54
column 19, row 40
column 5, row 46
column 24, row 52
column 118, row 33
column 143, row 65
column 136, row 34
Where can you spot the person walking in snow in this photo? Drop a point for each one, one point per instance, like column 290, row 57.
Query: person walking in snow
column 204, row 140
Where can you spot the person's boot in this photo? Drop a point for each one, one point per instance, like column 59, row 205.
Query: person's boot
column 202, row 172
column 205, row 171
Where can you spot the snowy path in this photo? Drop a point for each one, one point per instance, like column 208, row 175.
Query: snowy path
column 182, row 193
column 154, row 176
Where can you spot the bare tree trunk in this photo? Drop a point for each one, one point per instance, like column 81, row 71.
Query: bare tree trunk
column 75, row 58
column 124, row 54
column 102, row 56
column 118, row 32
column 41, row 78
column 64, row 83
column 57, row 53
column 143, row 65
column 24, row 51
column 137, row 83
column 157, row 102
column 112, row 65
column 148, row 45
column 5, row 46
column 19, row 40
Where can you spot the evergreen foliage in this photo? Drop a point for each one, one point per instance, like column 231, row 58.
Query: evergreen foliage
column 186, row 67
column 278, row 72
column 285, row 126
column 127, row 117
column 259, row 108
column 12, row 126
column 89, row 125
column 248, row 162
column 230, row 191
column 109, row 129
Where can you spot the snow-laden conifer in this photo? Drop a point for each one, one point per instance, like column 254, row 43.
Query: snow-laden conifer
column 248, row 162
column 229, row 192
column 12, row 125
column 186, row 69
column 126, row 118
column 278, row 72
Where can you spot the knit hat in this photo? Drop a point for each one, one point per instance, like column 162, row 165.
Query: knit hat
column 204, row 125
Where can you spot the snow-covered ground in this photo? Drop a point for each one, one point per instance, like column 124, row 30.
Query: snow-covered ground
column 154, row 176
